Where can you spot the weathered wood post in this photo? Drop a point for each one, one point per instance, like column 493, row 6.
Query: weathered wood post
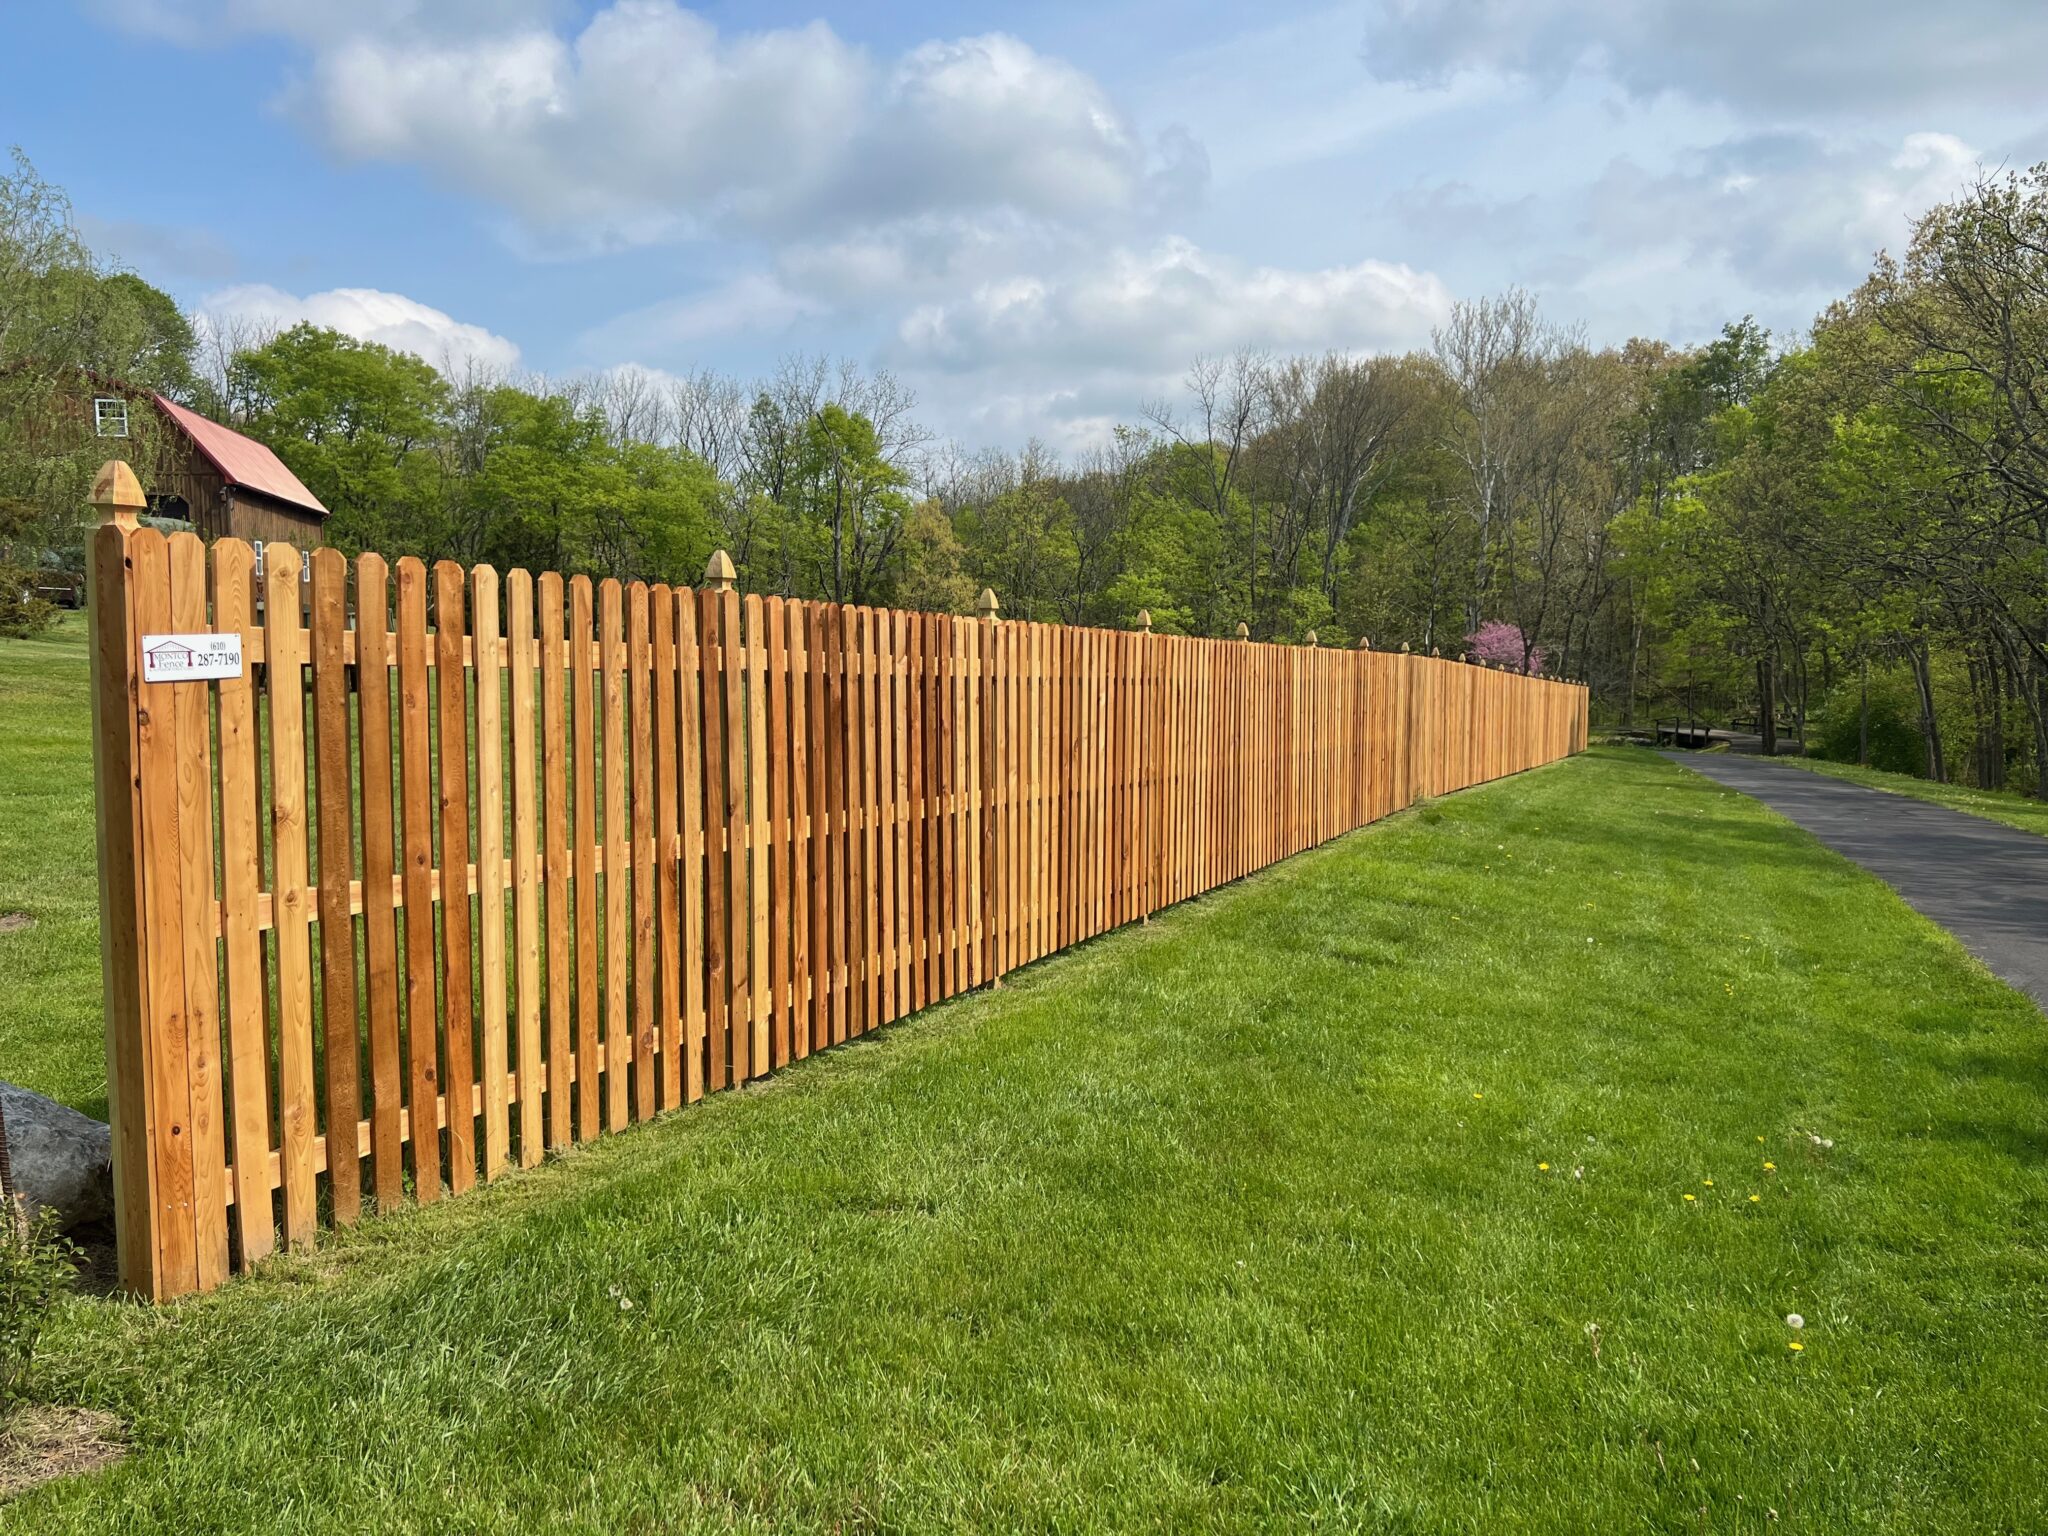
column 117, row 798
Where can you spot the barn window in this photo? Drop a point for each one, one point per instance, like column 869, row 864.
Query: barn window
column 110, row 416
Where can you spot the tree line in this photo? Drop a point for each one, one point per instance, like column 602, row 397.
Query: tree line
column 1843, row 534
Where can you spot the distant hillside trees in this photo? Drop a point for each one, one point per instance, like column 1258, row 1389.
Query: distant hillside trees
column 1852, row 523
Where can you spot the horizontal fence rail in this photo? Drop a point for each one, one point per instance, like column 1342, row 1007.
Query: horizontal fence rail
column 462, row 868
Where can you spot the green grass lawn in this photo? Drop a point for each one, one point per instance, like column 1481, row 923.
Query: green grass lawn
column 2015, row 810
column 50, row 972
column 1351, row 1197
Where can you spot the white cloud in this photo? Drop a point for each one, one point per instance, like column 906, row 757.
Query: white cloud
column 368, row 314
column 1788, row 212
column 1790, row 60
column 649, row 123
column 1143, row 311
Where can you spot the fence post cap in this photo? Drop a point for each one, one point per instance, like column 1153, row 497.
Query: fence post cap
column 1365, row 642
column 719, row 574
column 1144, row 621
column 117, row 495
column 1309, row 638
column 1404, row 647
column 1436, row 652
column 986, row 605
column 1244, row 630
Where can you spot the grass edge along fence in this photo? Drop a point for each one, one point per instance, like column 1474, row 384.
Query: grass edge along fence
column 665, row 841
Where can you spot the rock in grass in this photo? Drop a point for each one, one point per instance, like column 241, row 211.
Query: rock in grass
column 62, row 1160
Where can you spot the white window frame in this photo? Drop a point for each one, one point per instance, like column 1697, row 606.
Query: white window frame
column 101, row 415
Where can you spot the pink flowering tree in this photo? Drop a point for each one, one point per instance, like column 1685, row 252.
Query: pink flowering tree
column 1503, row 645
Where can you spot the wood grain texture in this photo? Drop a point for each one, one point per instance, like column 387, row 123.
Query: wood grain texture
column 494, row 1046
column 522, row 671
column 248, row 1001
column 640, row 659
column 618, row 875
column 586, row 1064
column 381, row 992
column 284, row 673
column 458, row 978
column 340, row 1031
column 194, row 795
column 668, row 1007
column 415, row 764
column 557, row 811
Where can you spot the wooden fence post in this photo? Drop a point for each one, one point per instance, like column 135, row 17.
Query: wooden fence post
column 1152, row 811
column 117, row 798
column 987, row 609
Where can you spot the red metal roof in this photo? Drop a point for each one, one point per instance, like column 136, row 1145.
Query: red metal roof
column 241, row 460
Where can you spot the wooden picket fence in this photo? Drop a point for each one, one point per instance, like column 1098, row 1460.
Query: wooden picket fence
column 403, row 906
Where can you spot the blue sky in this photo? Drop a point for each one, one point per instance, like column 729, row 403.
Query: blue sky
column 1035, row 215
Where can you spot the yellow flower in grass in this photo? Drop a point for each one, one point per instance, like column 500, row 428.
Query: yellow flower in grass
column 1770, row 1167
column 1690, row 1198
column 1543, row 1167
column 1708, row 1182
column 1753, row 1199
column 1796, row 1347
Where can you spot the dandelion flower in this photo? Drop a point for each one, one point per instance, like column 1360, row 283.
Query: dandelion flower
column 1753, row 1199
column 1759, row 1138
column 1692, row 1197
column 1770, row 1167
column 1795, row 1346
column 1543, row 1167
column 1794, row 1321
column 1478, row 1095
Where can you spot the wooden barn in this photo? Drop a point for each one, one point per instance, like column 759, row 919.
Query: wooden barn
column 230, row 486
column 226, row 485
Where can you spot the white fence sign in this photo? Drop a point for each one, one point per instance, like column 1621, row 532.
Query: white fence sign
column 190, row 658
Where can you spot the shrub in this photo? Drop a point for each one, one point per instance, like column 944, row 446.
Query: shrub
column 1895, row 741
column 35, row 1269
column 22, row 613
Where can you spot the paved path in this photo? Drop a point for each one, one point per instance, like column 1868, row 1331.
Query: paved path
column 1985, row 882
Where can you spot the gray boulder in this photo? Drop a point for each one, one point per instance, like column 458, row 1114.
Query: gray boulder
column 61, row 1160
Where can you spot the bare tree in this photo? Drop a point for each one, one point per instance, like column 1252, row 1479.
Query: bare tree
column 1229, row 397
